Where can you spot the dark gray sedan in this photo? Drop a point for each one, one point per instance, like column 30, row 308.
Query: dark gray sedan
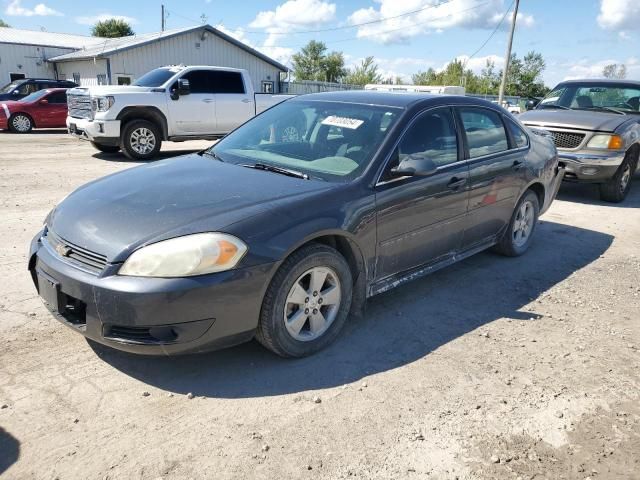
column 291, row 222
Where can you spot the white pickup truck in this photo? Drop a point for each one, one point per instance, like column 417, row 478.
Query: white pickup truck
column 174, row 104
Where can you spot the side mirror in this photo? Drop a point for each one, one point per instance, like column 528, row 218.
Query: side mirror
column 415, row 165
column 530, row 105
column 16, row 92
column 44, row 101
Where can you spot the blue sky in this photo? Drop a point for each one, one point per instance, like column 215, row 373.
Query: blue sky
column 576, row 37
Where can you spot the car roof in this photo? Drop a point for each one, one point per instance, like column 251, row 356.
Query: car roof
column 601, row 81
column 392, row 99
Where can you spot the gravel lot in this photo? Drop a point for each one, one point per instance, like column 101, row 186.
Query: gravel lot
column 493, row 368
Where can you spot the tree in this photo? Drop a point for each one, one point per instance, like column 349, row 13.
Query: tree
column 614, row 70
column 4, row 24
column 112, row 28
column 312, row 63
column 366, row 72
column 425, row 78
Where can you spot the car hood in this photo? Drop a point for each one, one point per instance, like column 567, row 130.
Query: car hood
column 108, row 90
column 12, row 104
column 577, row 119
column 117, row 214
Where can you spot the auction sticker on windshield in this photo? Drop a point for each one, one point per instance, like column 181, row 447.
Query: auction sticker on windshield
column 343, row 122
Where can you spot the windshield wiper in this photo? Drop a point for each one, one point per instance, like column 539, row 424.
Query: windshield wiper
column 608, row 109
column 213, row 154
column 280, row 170
column 562, row 107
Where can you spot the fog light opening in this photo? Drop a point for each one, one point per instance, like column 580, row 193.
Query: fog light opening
column 589, row 170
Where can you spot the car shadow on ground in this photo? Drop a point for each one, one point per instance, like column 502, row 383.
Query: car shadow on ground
column 120, row 158
column 9, row 450
column 37, row 131
column 588, row 194
column 399, row 327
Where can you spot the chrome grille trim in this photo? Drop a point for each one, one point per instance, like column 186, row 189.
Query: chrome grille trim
column 79, row 106
column 75, row 255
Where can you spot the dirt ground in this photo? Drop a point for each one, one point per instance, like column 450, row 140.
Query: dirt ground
column 525, row 368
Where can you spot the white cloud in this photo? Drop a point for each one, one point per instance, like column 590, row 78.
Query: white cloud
column 619, row 14
column 432, row 17
column 587, row 68
column 15, row 9
column 280, row 54
column 92, row 20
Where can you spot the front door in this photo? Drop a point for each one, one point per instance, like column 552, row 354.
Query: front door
column 421, row 220
column 194, row 114
column 497, row 174
column 234, row 105
column 54, row 112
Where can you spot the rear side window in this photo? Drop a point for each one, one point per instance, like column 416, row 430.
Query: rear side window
column 227, row 82
column 484, row 131
column 519, row 137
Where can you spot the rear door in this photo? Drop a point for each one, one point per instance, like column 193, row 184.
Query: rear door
column 234, row 105
column 421, row 220
column 497, row 173
column 194, row 114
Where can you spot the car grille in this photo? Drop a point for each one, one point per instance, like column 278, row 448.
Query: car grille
column 78, row 256
column 567, row 139
column 79, row 106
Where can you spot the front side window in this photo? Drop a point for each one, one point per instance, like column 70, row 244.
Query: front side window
column 328, row 140
column 484, row 131
column 27, row 88
column 58, row 98
column 199, row 81
column 432, row 135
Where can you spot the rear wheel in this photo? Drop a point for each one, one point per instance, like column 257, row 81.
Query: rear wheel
column 20, row 123
column 517, row 238
column 106, row 148
column 141, row 140
column 307, row 302
column 616, row 189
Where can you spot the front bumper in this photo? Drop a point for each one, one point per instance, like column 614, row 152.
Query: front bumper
column 104, row 132
column 591, row 167
column 154, row 316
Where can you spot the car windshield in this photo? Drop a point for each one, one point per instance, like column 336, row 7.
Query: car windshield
column 604, row 96
column 34, row 96
column 327, row 140
column 9, row 88
column 155, row 78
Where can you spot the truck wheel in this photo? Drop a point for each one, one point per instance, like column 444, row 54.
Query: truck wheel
column 517, row 238
column 20, row 123
column 615, row 190
column 106, row 148
column 141, row 140
column 307, row 302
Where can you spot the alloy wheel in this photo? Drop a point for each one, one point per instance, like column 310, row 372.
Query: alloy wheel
column 312, row 304
column 21, row 123
column 523, row 224
column 143, row 141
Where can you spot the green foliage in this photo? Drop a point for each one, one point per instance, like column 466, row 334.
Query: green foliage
column 112, row 28
column 4, row 24
column 313, row 63
column 366, row 72
column 614, row 70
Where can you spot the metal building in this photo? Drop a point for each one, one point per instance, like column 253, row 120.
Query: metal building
column 120, row 61
column 25, row 53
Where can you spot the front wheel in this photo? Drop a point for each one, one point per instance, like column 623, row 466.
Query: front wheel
column 615, row 190
column 106, row 148
column 141, row 140
column 20, row 123
column 307, row 302
column 517, row 238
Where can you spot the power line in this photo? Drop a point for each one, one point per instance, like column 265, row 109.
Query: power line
column 492, row 33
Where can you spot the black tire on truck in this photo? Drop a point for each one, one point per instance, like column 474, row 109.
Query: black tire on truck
column 141, row 140
column 615, row 190
column 106, row 148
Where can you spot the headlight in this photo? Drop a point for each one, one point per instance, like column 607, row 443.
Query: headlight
column 611, row 142
column 102, row 104
column 185, row 256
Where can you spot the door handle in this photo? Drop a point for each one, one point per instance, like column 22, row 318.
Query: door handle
column 208, row 100
column 456, row 183
column 245, row 100
column 517, row 165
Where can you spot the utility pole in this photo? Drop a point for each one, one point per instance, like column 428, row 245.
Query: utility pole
column 508, row 59
column 162, row 22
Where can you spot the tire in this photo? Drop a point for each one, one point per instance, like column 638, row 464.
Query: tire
column 512, row 243
column 615, row 190
column 20, row 123
column 281, row 302
column 141, row 140
column 106, row 148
